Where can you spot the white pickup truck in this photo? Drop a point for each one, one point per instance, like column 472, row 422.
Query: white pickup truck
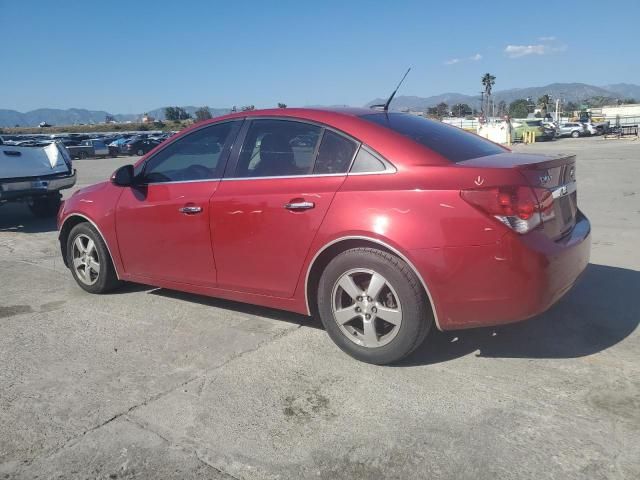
column 35, row 175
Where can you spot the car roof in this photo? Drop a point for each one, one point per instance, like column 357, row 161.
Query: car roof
column 302, row 113
column 391, row 145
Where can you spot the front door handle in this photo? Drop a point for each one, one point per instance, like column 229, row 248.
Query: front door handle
column 299, row 205
column 190, row 209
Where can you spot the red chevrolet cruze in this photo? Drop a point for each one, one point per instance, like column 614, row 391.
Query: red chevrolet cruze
column 380, row 223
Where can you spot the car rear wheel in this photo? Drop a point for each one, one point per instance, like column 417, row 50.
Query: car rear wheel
column 575, row 134
column 46, row 206
column 373, row 306
column 89, row 260
column 83, row 155
column 140, row 152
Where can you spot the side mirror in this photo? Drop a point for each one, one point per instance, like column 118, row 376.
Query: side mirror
column 124, row 176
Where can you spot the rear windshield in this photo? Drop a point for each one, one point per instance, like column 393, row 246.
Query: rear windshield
column 452, row 143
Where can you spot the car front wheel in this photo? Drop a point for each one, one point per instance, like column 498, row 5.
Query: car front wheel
column 89, row 260
column 575, row 134
column 372, row 305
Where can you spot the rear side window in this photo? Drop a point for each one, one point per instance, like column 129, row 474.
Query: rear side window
column 278, row 148
column 367, row 162
column 335, row 154
column 452, row 143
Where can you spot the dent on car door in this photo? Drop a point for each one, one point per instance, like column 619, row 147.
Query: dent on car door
column 162, row 222
column 267, row 211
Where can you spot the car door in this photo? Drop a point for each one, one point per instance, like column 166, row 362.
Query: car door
column 162, row 222
column 268, row 208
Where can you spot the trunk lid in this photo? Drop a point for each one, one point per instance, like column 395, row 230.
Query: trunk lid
column 555, row 174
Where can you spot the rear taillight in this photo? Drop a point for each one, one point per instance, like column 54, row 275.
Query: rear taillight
column 520, row 208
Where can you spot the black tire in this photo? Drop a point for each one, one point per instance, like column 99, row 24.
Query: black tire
column 107, row 279
column 45, row 206
column 140, row 152
column 417, row 317
column 575, row 134
column 83, row 155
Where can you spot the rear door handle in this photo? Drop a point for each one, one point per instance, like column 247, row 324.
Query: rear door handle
column 299, row 205
column 190, row 209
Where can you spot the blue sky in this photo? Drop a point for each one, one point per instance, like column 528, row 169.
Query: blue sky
column 130, row 56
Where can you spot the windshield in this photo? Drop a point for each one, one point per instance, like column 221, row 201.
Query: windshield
column 452, row 143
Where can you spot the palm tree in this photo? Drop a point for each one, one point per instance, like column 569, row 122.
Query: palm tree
column 488, row 81
column 543, row 103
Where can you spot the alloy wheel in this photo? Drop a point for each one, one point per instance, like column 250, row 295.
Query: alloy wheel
column 86, row 261
column 366, row 308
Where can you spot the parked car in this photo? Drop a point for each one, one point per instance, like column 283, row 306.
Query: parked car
column 89, row 149
column 591, row 129
column 68, row 142
column 387, row 225
column 35, row 175
column 571, row 129
column 542, row 132
column 140, row 147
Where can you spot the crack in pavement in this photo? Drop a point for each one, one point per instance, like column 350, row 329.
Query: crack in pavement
column 146, row 427
column 78, row 438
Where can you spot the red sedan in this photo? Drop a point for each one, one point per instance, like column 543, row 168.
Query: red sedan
column 383, row 224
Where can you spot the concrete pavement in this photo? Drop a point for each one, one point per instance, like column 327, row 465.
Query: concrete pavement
column 150, row 383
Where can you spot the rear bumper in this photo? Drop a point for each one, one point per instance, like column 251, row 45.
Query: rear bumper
column 22, row 188
column 518, row 278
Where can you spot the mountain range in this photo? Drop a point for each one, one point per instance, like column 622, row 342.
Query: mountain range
column 75, row 116
column 574, row 92
column 568, row 92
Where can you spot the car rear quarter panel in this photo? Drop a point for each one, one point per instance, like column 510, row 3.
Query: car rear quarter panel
column 419, row 212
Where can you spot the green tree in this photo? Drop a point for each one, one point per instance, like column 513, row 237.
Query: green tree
column 442, row 110
column 502, row 108
column 570, row 107
column 461, row 109
column 519, row 108
column 176, row 114
column 431, row 112
column 599, row 101
column 170, row 114
column 248, row 108
column 202, row 114
column 628, row 101
column 282, row 105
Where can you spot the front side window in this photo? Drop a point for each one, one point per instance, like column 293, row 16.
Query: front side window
column 193, row 157
column 277, row 148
